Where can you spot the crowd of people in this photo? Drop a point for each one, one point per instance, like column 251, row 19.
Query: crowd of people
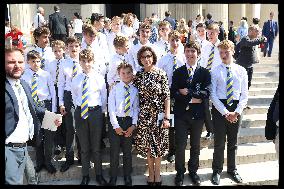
column 133, row 76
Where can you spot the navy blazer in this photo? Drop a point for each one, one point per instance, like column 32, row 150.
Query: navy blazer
column 58, row 24
column 266, row 29
column 12, row 111
column 201, row 80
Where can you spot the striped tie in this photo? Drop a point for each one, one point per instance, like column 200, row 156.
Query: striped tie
column 127, row 100
column 210, row 60
column 175, row 63
column 57, row 71
column 42, row 66
column 166, row 47
column 190, row 76
column 34, row 88
column 84, row 105
column 75, row 71
column 230, row 90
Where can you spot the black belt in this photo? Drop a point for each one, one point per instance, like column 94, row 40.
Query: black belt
column 90, row 108
column 16, row 145
column 123, row 118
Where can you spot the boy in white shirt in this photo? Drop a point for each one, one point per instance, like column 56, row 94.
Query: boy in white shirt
column 68, row 70
column 121, row 45
column 43, row 93
column 89, row 96
column 123, row 107
column 201, row 35
column 115, row 30
column 58, row 48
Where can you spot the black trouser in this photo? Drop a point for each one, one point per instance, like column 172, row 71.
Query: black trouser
column 69, row 126
column 89, row 132
column 208, row 117
column 59, row 138
column 183, row 125
column 223, row 128
column 172, row 149
column 117, row 141
column 44, row 150
column 249, row 72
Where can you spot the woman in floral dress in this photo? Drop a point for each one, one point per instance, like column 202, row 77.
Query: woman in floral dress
column 151, row 139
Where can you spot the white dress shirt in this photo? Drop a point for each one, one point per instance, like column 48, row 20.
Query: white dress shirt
column 219, row 87
column 78, row 24
column 132, row 53
column 166, row 63
column 45, row 85
column 116, row 104
column 25, row 126
column 99, row 59
column 65, row 77
column 51, row 68
column 96, row 88
column 38, row 20
column 112, row 75
column 162, row 47
column 202, row 42
column 205, row 52
column 110, row 37
column 129, row 32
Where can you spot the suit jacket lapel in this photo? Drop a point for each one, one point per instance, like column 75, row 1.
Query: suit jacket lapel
column 29, row 97
column 14, row 100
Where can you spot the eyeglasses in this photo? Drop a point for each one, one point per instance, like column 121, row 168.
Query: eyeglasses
column 147, row 56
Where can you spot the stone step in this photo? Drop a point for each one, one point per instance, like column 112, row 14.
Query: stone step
column 267, row 63
column 267, row 74
column 247, row 153
column 260, row 99
column 267, row 69
column 265, row 79
column 256, row 110
column 254, row 120
column 271, row 84
column 252, row 174
column 262, row 91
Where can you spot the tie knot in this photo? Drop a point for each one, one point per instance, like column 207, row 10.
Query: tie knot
column 228, row 68
column 126, row 87
column 190, row 68
column 35, row 74
column 42, row 49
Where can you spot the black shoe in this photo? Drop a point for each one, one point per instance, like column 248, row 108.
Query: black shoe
column 85, row 180
column 215, row 178
column 100, row 179
column 127, row 180
column 171, row 158
column 39, row 168
column 50, row 168
column 209, row 135
column 66, row 166
column 79, row 161
column 159, row 183
column 57, row 150
column 103, row 145
column 195, row 178
column 112, row 181
column 150, row 183
column 235, row 176
column 179, row 179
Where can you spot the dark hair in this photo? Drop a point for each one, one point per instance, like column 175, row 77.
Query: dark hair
column 124, row 65
column 189, row 23
column 193, row 44
column 231, row 22
column 143, row 49
column 255, row 20
column 13, row 49
column 56, row 8
column 77, row 15
column 208, row 16
column 39, row 31
column 96, row 17
column 33, row 55
column 244, row 18
column 72, row 40
column 200, row 25
column 168, row 13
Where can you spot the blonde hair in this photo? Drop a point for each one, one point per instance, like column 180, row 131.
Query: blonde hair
column 89, row 29
column 174, row 34
column 119, row 41
column 226, row 44
column 213, row 26
column 58, row 43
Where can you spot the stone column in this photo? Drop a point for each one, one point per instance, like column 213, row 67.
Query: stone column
column 219, row 13
column 150, row 8
column 180, row 11
column 88, row 9
column 192, row 10
column 256, row 10
column 243, row 10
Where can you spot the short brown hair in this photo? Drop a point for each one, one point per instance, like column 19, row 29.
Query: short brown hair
column 143, row 49
column 12, row 49
column 127, row 17
column 200, row 25
column 145, row 26
column 213, row 26
column 89, row 29
column 226, row 44
column 164, row 23
column 33, row 55
column 174, row 34
column 119, row 41
column 124, row 65
column 58, row 43
column 73, row 39
column 86, row 54
column 193, row 44
column 39, row 31
column 116, row 19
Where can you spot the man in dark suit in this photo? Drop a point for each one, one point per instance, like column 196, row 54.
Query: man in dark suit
column 22, row 117
column 170, row 19
column 270, row 31
column 58, row 25
column 190, row 86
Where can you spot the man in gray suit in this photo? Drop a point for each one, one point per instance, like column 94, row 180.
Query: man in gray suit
column 22, row 117
column 58, row 25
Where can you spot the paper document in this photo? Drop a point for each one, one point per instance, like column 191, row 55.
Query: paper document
column 48, row 120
